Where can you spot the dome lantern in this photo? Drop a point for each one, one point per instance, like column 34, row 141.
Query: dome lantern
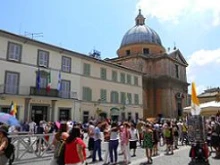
column 140, row 20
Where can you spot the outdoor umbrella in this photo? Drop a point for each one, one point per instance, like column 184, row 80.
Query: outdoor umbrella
column 8, row 119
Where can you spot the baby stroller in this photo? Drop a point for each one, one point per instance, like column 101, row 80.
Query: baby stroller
column 199, row 153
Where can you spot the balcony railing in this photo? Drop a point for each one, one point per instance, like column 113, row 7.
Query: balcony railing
column 43, row 92
column 33, row 91
column 53, row 93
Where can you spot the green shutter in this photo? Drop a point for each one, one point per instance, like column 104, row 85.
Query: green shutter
column 136, row 99
column 123, row 98
column 87, row 94
column 114, row 76
column 103, row 95
column 135, row 80
column 86, row 69
column 103, row 73
column 114, row 97
column 122, row 78
column 129, row 79
column 84, row 93
column 129, row 97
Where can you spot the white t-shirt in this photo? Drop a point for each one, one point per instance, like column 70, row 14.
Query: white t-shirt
column 133, row 134
column 32, row 126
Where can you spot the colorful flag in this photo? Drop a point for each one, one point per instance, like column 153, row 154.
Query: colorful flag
column 13, row 109
column 59, row 81
column 195, row 107
column 48, row 83
column 38, row 79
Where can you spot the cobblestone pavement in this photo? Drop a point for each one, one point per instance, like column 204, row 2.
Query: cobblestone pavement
column 180, row 157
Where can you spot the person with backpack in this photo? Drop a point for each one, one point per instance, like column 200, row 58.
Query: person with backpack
column 3, row 146
column 74, row 146
column 57, row 142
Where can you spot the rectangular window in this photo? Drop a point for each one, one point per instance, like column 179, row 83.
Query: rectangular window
column 146, row 51
column 86, row 69
column 114, row 76
column 177, row 71
column 66, row 64
column 128, row 78
column 14, row 52
column 64, row 114
column 11, row 82
column 122, row 78
column 85, row 116
column 103, row 73
column 129, row 98
column 87, row 94
column 65, row 89
column 123, row 98
column 103, row 95
column 136, row 117
column 128, row 52
column 129, row 116
column 136, row 99
column 43, row 58
column 135, row 80
column 123, row 116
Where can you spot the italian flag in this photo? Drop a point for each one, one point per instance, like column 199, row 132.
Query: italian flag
column 48, row 83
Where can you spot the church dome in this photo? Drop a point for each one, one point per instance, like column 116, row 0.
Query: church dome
column 140, row 33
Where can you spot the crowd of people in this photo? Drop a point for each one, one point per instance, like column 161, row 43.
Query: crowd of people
column 115, row 137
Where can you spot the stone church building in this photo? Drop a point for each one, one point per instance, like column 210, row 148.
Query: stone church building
column 165, row 84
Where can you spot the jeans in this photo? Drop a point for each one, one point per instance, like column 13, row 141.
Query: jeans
column 97, row 147
column 113, row 146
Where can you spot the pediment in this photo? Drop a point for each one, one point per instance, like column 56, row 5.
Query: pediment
column 177, row 55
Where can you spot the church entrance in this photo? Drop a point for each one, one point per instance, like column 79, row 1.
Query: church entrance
column 39, row 113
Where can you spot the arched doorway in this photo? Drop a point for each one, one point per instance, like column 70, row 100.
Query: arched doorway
column 103, row 115
column 114, row 112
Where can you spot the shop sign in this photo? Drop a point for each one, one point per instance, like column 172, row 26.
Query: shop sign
column 39, row 101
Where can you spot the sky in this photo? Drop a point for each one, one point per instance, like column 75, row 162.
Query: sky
column 193, row 26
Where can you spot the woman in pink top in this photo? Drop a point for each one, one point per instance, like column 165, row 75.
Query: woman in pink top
column 125, row 136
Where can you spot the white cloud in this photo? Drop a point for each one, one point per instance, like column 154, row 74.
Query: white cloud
column 204, row 57
column 204, row 67
column 176, row 10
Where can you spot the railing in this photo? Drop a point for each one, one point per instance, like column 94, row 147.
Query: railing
column 31, row 146
column 44, row 92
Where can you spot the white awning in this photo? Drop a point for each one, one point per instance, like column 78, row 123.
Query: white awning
column 211, row 106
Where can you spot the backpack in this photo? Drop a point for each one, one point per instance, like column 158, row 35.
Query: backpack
column 10, row 151
column 57, row 149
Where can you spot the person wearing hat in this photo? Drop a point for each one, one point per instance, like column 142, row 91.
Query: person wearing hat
column 3, row 146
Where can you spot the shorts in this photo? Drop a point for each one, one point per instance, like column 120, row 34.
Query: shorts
column 133, row 144
column 215, row 141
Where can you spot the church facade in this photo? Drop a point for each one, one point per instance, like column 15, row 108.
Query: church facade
column 164, row 79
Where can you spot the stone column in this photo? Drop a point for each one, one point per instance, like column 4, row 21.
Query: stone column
column 27, row 109
column 53, row 106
